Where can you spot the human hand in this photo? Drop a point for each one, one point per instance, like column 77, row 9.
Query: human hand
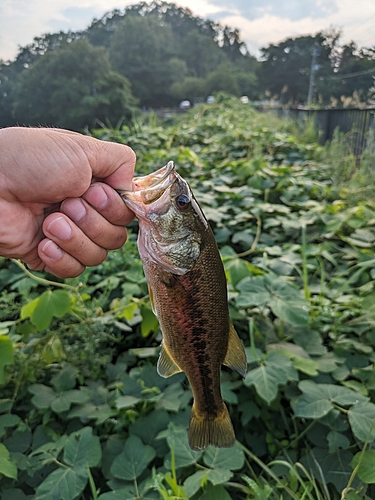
column 59, row 210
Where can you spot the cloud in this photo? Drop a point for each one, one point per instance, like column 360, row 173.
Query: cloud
column 73, row 18
column 288, row 9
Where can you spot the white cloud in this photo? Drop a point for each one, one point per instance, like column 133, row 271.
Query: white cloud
column 22, row 20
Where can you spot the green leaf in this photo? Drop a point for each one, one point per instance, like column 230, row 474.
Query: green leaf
column 8, row 420
column 126, row 402
column 7, row 467
column 6, row 355
column 362, row 421
column 45, row 397
column 252, row 292
column 224, row 458
column 366, row 469
column 215, row 493
column 147, row 428
column 337, row 440
column 50, row 304
column 170, row 398
column 62, row 484
column 305, row 365
column 316, row 400
column 194, row 482
column 238, row 270
column 132, row 460
column 260, row 493
column 219, row 476
column 82, row 448
column 149, row 323
column 334, row 467
column 183, row 454
column 276, row 370
column 65, row 379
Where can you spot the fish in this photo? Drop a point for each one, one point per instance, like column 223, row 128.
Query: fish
column 188, row 294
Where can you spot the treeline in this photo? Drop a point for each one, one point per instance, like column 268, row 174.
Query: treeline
column 154, row 55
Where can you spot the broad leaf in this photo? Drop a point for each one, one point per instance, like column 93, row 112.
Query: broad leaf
column 224, row 458
column 82, row 448
column 7, row 467
column 276, row 370
column 366, row 468
column 178, row 442
column 6, row 354
column 362, row 421
column 62, row 484
column 50, row 304
column 133, row 460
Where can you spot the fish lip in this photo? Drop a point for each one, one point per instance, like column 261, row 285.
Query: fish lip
column 159, row 179
column 149, row 188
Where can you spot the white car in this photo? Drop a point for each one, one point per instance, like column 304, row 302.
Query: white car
column 184, row 105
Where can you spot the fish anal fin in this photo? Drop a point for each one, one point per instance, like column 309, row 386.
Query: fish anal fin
column 235, row 357
column 152, row 300
column 204, row 431
column 166, row 365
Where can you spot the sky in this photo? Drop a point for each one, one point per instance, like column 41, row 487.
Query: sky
column 261, row 22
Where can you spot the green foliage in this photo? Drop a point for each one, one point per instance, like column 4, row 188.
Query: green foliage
column 83, row 412
column 71, row 87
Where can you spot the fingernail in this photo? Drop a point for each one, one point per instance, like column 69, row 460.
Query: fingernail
column 97, row 197
column 60, row 228
column 52, row 250
column 74, row 209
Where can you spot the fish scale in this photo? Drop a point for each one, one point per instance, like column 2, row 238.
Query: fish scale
column 188, row 293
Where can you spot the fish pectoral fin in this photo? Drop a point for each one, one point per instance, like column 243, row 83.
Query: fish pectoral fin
column 152, row 300
column 166, row 366
column 235, row 357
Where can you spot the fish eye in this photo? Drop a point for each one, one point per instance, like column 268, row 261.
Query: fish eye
column 182, row 202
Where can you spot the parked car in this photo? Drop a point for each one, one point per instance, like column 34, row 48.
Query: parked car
column 185, row 104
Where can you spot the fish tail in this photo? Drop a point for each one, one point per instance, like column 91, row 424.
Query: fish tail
column 204, row 430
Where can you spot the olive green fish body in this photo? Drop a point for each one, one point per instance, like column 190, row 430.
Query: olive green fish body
column 188, row 292
column 194, row 319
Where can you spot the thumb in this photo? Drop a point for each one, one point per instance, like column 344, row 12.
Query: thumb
column 113, row 163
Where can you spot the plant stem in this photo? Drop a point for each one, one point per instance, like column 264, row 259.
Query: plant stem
column 42, row 280
column 92, row 484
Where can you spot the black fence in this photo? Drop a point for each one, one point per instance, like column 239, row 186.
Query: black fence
column 355, row 123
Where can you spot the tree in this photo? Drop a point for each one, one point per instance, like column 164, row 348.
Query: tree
column 71, row 87
column 141, row 49
column 189, row 88
column 222, row 80
column 355, row 73
column 286, row 67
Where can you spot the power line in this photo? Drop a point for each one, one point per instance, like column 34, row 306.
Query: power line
column 352, row 75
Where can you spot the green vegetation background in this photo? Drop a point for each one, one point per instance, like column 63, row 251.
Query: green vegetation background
column 158, row 54
column 83, row 412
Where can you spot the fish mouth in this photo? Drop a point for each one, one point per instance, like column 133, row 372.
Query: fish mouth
column 149, row 188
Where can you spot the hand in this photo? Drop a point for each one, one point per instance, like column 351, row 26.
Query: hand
column 59, row 210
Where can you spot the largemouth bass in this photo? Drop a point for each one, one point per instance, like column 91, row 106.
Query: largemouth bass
column 188, row 294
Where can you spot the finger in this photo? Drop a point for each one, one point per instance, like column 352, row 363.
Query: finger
column 57, row 262
column 71, row 239
column 109, row 203
column 113, row 162
column 93, row 224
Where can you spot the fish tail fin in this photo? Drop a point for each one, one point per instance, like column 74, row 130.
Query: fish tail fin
column 205, row 430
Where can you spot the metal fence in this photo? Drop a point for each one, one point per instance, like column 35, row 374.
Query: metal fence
column 355, row 123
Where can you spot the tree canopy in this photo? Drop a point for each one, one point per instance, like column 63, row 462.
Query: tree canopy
column 156, row 54
column 71, row 86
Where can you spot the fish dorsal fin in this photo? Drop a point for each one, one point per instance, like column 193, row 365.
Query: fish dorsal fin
column 235, row 357
column 166, row 365
column 152, row 300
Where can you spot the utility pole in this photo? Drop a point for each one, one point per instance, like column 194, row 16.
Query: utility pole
column 313, row 69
